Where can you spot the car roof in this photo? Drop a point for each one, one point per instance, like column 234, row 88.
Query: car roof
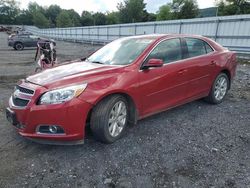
column 159, row 37
column 162, row 36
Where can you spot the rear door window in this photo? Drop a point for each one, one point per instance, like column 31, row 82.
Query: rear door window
column 197, row 47
column 34, row 37
column 23, row 36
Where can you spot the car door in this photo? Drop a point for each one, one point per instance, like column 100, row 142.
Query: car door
column 23, row 39
column 34, row 40
column 164, row 86
column 200, row 64
column 27, row 41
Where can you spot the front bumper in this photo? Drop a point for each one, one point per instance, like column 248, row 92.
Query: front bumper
column 71, row 116
column 10, row 43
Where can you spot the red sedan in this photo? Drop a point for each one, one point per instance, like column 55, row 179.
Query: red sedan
column 126, row 80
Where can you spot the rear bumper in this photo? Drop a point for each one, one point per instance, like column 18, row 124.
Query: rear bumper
column 71, row 116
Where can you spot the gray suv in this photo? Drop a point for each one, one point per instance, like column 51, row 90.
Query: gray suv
column 19, row 41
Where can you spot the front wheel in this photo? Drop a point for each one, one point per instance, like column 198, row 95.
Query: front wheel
column 219, row 89
column 109, row 119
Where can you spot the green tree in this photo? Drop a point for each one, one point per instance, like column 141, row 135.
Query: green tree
column 233, row 7
column 52, row 12
column 183, row 9
column 75, row 17
column 99, row 18
column 164, row 13
column 40, row 20
column 131, row 11
column 112, row 18
column 87, row 18
column 33, row 7
column 38, row 15
column 148, row 17
column 24, row 18
column 8, row 11
column 64, row 20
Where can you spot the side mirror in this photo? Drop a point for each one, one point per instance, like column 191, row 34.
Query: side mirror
column 153, row 63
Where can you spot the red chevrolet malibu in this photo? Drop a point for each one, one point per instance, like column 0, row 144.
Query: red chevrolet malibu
column 126, row 80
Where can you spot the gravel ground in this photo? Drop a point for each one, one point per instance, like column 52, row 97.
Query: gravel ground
column 195, row 145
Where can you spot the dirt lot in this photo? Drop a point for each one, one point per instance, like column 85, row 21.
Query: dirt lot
column 195, row 145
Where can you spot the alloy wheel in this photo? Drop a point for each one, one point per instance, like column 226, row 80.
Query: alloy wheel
column 220, row 88
column 117, row 118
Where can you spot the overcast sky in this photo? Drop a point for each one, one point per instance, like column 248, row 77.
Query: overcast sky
column 105, row 5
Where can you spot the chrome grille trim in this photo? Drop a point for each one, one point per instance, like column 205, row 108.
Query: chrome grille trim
column 22, row 89
column 21, row 93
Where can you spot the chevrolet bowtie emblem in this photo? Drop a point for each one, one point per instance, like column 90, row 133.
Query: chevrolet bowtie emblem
column 16, row 93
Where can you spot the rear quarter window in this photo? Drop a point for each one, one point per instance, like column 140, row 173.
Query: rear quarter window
column 208, row 48
column 197, row 47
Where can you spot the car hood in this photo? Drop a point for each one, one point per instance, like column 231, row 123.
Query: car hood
column 71, row 73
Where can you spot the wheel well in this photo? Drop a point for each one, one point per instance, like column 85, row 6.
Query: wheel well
column 18, row 42
column 133, row 113
column 228, row 75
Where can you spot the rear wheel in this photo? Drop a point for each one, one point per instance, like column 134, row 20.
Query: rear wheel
column 219, row 89
column 109, row 119
column 18, row 46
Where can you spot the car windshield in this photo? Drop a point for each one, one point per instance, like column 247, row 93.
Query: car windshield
column 120, row 52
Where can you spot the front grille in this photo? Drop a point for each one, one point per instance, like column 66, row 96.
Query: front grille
column 25, row 90
column 20, row 102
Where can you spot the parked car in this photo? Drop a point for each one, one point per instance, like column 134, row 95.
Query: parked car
column 19, row 41
column 126, row 80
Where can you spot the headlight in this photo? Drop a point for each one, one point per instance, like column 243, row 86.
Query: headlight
column 61, row 95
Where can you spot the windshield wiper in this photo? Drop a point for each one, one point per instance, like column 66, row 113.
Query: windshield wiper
column 98, row 62
column 86, row 59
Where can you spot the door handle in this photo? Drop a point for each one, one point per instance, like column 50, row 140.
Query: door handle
column 213, row 63
column 182, row 71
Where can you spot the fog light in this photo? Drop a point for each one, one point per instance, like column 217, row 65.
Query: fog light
column 53, row 129
column 50, row 129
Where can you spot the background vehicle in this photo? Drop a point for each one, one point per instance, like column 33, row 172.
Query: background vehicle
column 19, row 41
column 126, row 80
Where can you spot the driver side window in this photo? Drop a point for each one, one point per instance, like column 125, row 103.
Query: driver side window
column 168, row 51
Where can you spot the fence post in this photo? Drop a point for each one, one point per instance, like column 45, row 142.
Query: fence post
column 135, row 29
column 119, row 31
column 71, row 35
column 89, row 33
column 107, row 33
column 82, row 35
column 216, row 30
column 98, row 33
column 76, row 38
column 59, row 34
column 180, row 27
column 64, row 36
column 155, row 27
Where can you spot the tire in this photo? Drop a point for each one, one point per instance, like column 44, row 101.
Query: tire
column 218, row 91
column 18, row 46
column 107, row 125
